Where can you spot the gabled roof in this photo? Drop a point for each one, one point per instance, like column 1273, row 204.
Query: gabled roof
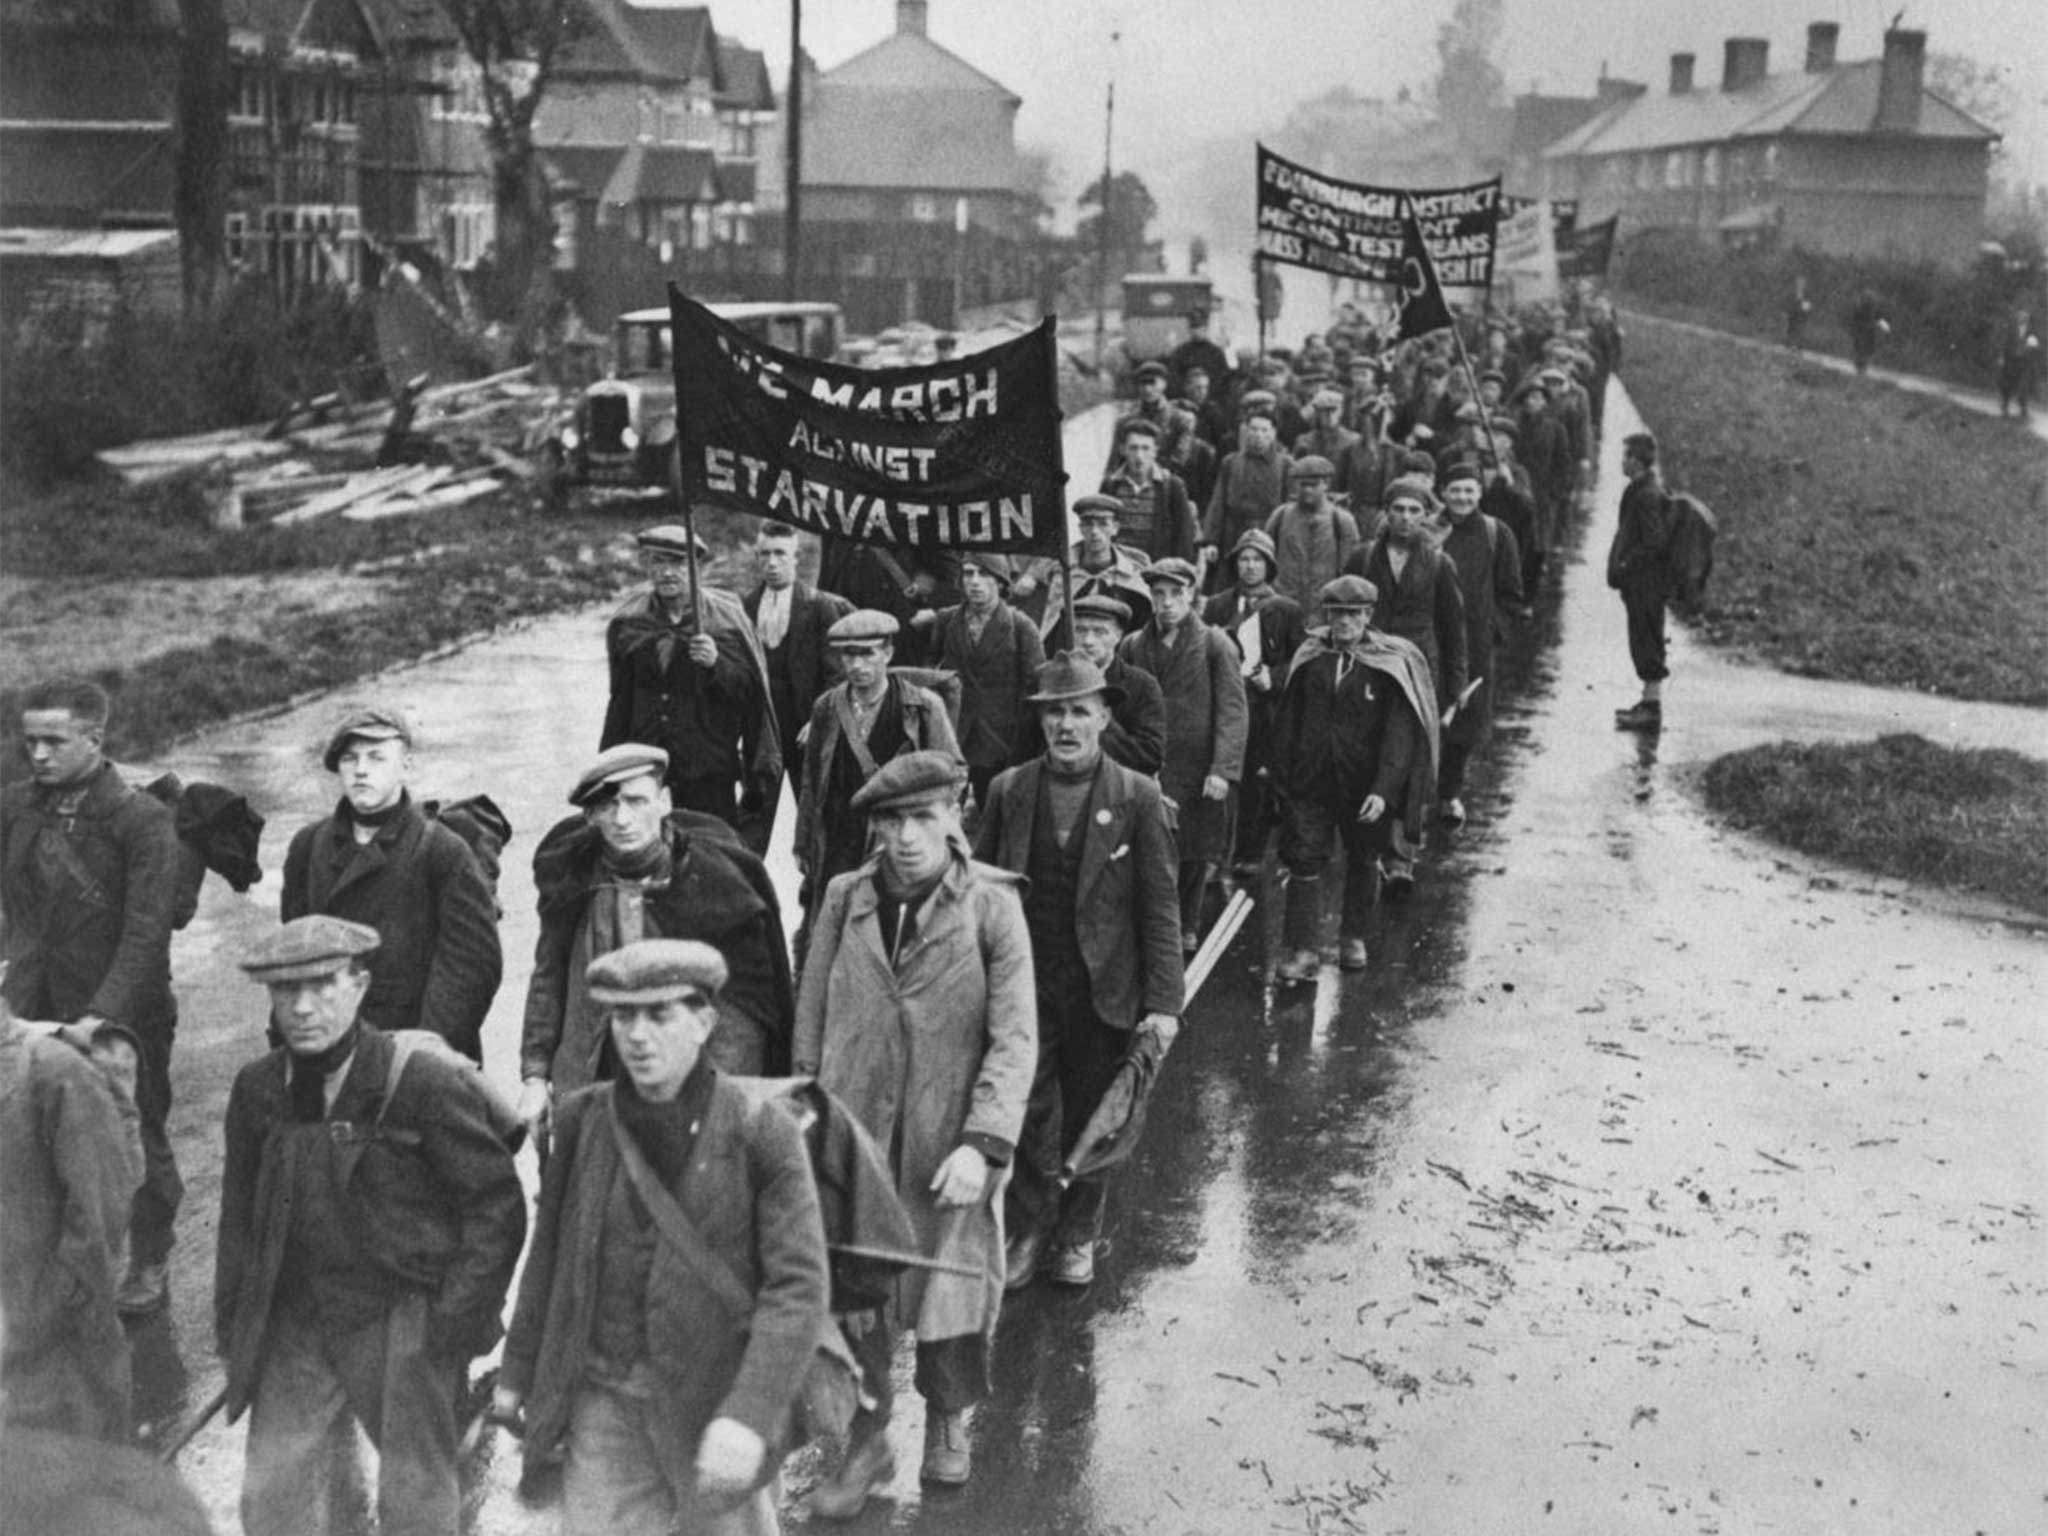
column 910, row 61
column 586, row 167
column 306, row 23
column 653, row 43
column 662, row 173
column 412, row 23
column 1841, row 101
column 743, row 79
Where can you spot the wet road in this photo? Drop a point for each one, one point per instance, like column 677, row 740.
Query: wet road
column 1647, row 1178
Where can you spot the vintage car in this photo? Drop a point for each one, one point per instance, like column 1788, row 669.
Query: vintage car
column 623, row 429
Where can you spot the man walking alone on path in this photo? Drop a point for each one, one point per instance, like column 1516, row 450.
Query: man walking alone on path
column 1638, row 567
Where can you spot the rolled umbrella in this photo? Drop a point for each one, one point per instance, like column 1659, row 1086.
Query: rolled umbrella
column 1119, row 1117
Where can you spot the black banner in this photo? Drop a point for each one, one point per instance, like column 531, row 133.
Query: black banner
column 1589, row 251
column 1310, row 220
column 963, row 454
column 1564, row 214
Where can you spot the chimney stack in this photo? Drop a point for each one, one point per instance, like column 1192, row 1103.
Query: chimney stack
column 1744, row 62
column 1821, row 37
column 1901, row 81
column 1681, row 73
column 910, row 17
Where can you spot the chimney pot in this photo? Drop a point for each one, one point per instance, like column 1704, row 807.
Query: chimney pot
column 1821, row 38
column 1901, row 81
column 911, row 17
column 1744, row 62
column 1681, row 73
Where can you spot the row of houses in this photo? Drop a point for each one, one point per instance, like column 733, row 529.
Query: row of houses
column 357, row 136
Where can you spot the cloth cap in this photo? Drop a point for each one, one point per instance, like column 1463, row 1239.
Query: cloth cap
column 1533, row 385
column 996, row 565
column 1412, row 488
column 1311, row 466
column 1098, row 605
column 1138, row 426
column 1334, row 399
column 1349, row 592
column 367, row 722
column 915, row 778
column 1150, row 370
column 863, row 626
column 1260, row 542
column 615, row 765
column 1173, row 569
column 1097, row 506
column 307, row 948
column 1554, row 376
column 1496, row 375
column 1252, row 397
column 670, row 539
column 654, row 971
column 1464, row 469
column 1070, row 675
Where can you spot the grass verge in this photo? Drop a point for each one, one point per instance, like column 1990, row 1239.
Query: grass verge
column 1973, row 821
column 1867, row 533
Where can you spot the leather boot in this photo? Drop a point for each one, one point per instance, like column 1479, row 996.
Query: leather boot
column 1361, row 892
column 948, row 1457
column 870, row 1464
column 1299, row 928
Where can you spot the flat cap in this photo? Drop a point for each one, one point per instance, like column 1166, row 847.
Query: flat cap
column 1349, row 592
column 1331, row 398
column 1259, row 542
column 1150, row 370
column 654, row 971
column 1252, row 397
column 1312, row 466
column 670, row 539
column 1171, row 569
column 308, row 947
column 1554, row 376
column 1099, row 605
column 1496, row 375
column 1097, row 506
column 365, row 722
column 615, row 765
column 996, row 565
column 1414, row 488
column 915, row 778
column 1463, row 469
column 1070, row 675
column 863, row 626
column 1137, row 426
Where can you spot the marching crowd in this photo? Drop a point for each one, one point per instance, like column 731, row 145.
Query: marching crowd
column 1281, row 625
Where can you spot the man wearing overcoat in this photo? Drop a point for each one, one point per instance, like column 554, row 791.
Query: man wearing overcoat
column 790, row 618
column 995, row 652
column 1266, row 627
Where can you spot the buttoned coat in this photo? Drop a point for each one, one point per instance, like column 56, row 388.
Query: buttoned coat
column 1127, row 914
column 932, row 1052
column 926, row 728
column 1488, row 563
column 749, row 1191
column 997, row 672
column 1423, row 606
column 438, row 961
column 806, row 660
column 1207, row 718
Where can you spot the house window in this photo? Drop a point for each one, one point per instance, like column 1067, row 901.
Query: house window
column 1710, row 166
column 700, row 227
column 238, row 238
column 249, row 94
column 649, row 125
column 1674, row 168
column 1770, row 162
column 735, row 136
column 924, row 208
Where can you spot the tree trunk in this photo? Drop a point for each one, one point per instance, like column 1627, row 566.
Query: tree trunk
column 200, row 149
column 526, row 243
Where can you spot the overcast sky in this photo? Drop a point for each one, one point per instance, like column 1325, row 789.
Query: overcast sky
column 1202, row 68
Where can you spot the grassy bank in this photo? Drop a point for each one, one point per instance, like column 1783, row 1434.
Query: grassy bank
column 1900, row 806
column 1867, row 533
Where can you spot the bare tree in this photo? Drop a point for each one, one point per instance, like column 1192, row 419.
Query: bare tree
column 200, row 150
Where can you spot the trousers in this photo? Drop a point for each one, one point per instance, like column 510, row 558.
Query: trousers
column 1077, row 1056
column 1646, row 633
column 952, row 1374
column 1305, row 839
column 163, row 1190
column 613, row 1482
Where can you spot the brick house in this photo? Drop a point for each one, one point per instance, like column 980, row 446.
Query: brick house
column 1855, row 159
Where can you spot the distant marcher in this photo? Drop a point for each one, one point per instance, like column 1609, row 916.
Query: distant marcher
column 89, row 883
column 1488, row 564
column 1158, row 520
column 1251, row 483
column 1266, row 627
column 379, row 859
column 371, row 1217
column 898, row 582
column 1197, row 670
column 700, row 694
column 2019, row 365
column 1639, row 568
column 1312, row 536
column 1093, row 842
column 678, row 1284
column 1136, row 733
column 1199, row 398
column 1545, row 451
column 1866, row 324
column 918, row 1013
column 1199, row 352
column 1102, row 566
column 790, row 618
column 1173, row 428
column 627, row 867
column 995, row 652
column 1352, row 753
column 1327, row 436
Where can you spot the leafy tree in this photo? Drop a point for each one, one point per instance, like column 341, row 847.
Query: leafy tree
column 1130, row 213
column 1469, row 85
column 1035, row 184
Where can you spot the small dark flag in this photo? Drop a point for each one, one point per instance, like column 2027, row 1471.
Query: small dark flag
column 1422, row 297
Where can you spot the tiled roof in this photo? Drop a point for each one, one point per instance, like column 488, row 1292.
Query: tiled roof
column 588, row 168
column 1843, row 100
column 654, row 43
column 944, row 140
column 908, row 61
column 661, row 173
column 92, row 171
column 743, row 79
column 417, row 23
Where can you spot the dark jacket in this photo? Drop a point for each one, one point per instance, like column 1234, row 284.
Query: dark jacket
column 997, row 673
column 430, row 1197
column 712, row 723
column 1281, row 628
column 438, row 963
column 1136, row 733
column 1488, row 562
column 1127, row 916
column 1158, row 520
column 804, row 666
column 1373, row 734
column 926, row 725
column 101, row 947
column 717, row 892
column 875, row 576
column 1423, row 607
column 1206, row 721
column 1639, row 559
column 750, row 1192
column 1248, row 487
column 1544, row 447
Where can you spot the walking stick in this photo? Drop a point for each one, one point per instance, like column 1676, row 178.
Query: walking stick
column 205, row 1416
column 1228, row 922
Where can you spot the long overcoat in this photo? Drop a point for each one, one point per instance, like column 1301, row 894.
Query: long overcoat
column 1483, row 552
column 1206, row 720
column 997, row 672
column 933, row 1052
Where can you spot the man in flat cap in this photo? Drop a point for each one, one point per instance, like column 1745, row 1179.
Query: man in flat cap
column 630, row 866
column 1354, row 753
column 898, row 582
column 1312, row 536
column 1158, row 520
column 1545, row 451
column 918, row 1012
column 1267, row 627
column 371, row 1217
column 1198, row 674
column 1250, row 484
column 995, row 652
column 1136, row 733
column 1327, row 437
column 1174, row 427
column 1095, row 844
column 1102, row 564
column 89, row 883
column 688, row 676
column 856, row 726
column 664, row 1322
column 1639, row 568
column 790, row 618
column 1199, row 353
column 379, row 859
column 1571, row 404
column 1487, row 561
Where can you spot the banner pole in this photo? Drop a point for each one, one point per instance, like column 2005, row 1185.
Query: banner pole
column 1059, row 438
column 683, row 498
column 1472, row 378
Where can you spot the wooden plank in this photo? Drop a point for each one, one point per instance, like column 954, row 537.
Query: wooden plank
column 358, row 487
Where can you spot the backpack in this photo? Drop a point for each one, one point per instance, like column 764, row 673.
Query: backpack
column 503, row 1114
column 483, row 827
column 1690, row 553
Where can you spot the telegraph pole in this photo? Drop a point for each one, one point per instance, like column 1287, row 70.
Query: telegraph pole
column 1102, row 223
column 793, row 159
